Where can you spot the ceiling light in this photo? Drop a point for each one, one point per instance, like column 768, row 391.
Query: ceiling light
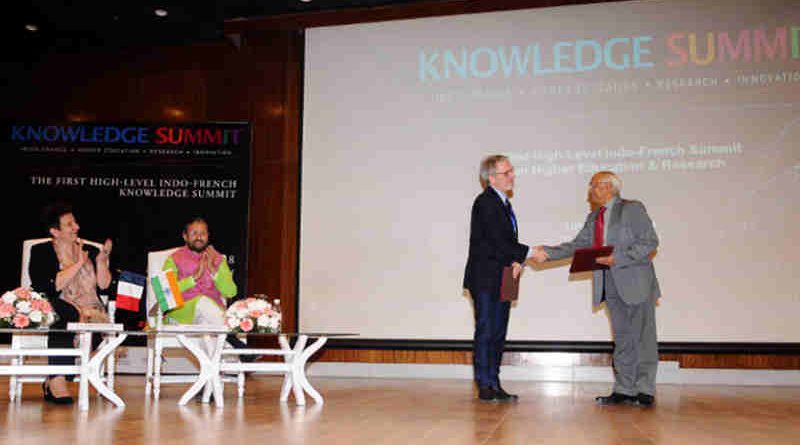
column 161, row 12
column 174, row 112
column 31, row 27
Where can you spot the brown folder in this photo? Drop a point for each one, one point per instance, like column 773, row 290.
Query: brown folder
column 509, row 287
column 584, row 260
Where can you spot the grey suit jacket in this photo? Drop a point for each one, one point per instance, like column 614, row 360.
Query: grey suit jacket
column 631, row 232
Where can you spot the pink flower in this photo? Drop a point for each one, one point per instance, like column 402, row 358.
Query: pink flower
column 23, row 293
column 6, row 310
column 255, row 313
column 21, row 321
column 40, row 305
column 246, row 325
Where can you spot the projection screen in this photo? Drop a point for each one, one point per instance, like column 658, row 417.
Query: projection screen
column 695, row 104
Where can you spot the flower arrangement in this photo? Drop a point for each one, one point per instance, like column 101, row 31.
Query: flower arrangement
column 254, row 314
column 23, row 308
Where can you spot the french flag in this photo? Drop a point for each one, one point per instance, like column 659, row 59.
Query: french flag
column 129, row 290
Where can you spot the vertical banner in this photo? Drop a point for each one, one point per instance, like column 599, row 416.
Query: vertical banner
column 137, row 184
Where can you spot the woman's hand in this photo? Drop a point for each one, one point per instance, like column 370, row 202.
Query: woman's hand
column 103, row 263
column 104, row 257
column 105, row 252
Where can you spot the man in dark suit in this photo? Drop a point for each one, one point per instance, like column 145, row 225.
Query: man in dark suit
column 492, row 245
column 628, row 286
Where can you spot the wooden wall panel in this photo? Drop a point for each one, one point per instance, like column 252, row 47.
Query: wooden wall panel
column 719, row 361
column 271, row 58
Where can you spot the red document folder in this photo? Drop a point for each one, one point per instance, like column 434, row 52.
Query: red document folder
column 584, row 260
column 509, row 287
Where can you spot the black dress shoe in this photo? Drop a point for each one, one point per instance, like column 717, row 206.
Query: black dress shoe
column 199, row 397
column 615, row 399
column 49, row 397
column 487, row 394
column 501, row 394
column 645, row 399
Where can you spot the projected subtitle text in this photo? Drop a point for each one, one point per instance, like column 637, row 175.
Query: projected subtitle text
column 676, row 158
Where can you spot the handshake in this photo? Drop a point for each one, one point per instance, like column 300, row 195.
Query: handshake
column 538, row 255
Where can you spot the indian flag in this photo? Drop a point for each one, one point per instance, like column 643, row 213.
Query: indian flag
column 129, row 290
column 165, row 286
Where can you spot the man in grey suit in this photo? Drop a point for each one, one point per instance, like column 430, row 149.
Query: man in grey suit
column 628, row 285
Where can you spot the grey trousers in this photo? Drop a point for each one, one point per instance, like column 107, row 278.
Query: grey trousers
column 635, row 343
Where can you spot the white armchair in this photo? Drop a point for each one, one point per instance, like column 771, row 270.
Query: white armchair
column 40, row 341
column 157, row 343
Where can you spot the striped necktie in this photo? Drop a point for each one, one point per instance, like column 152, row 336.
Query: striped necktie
column 511, row 214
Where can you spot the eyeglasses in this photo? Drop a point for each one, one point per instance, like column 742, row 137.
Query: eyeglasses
column 510, row 170
column 597, row 184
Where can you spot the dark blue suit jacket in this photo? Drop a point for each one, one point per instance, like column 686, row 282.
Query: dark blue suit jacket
column 493, row 244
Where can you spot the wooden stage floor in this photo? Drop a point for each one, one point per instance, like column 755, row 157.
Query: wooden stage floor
column 393, row 411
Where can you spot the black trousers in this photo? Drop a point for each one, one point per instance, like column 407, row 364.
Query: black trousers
column 491, row 326
column 235, row 342
column 66, row 314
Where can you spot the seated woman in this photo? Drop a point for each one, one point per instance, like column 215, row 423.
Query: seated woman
column 69, row 273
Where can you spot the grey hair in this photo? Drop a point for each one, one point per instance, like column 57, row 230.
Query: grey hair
column 611, row 177
column 489, row 167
